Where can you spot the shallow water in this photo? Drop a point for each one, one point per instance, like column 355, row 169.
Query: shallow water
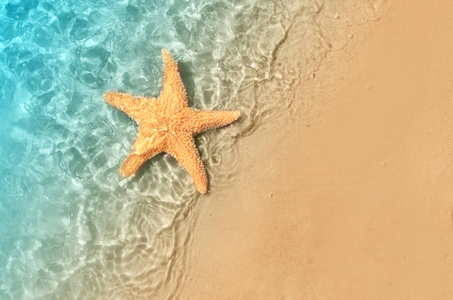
column 70, row 226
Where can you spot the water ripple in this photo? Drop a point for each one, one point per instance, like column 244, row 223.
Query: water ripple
column 71, row 227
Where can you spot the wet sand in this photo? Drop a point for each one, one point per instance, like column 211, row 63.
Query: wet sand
column 356, row 202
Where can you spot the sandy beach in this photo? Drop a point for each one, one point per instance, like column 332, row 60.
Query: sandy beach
column 353, row 202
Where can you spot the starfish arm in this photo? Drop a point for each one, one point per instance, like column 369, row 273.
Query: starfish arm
column 186, row 154
column 173, row 88
column 133, row 106
column 205, row 120
column 134, row 161
column 146, row 147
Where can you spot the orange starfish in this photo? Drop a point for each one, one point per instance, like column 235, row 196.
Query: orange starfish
column 167, row 124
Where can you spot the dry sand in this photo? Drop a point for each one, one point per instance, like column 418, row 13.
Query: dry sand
column 359, row 204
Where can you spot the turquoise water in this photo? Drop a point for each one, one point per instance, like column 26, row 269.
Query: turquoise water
column 70, row 226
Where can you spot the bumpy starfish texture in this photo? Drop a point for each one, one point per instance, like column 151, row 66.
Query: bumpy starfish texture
column 167, row 124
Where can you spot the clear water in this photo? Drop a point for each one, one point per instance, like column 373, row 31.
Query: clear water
column 70, row 226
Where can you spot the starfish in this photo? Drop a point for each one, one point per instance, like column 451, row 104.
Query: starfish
column 167, row 124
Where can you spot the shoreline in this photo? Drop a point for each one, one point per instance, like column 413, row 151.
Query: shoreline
column 351, row 201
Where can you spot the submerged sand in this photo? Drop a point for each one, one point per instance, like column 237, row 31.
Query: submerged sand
column 354, row 202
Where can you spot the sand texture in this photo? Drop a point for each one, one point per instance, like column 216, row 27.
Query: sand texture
column 356, row 202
